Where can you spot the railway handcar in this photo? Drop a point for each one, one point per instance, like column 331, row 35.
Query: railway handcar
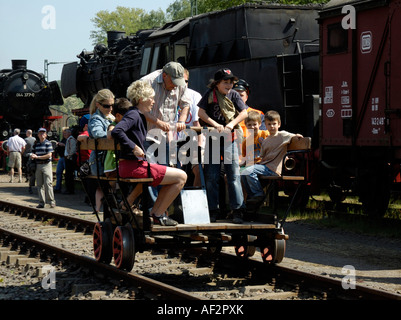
column 360, row 144
column 120, row 235
column 25, row 97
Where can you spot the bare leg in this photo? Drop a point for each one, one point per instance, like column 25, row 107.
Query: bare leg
column 133, row 195
column 172, row 183
column 98, row 196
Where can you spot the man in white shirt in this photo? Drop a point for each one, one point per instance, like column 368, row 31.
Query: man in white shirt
column 15, row 148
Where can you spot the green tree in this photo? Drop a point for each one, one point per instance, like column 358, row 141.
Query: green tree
column 129, row 20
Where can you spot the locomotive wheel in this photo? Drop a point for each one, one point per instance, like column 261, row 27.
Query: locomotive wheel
column 245, row 251
column 124, row 247
column 102, row 241
column 274, row 252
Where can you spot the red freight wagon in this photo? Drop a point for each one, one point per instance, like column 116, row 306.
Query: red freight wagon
column 360, row 134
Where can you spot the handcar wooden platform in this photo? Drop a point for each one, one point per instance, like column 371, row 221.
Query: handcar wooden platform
column 122, row 238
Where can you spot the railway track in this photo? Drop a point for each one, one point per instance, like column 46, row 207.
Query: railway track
column 65, row 244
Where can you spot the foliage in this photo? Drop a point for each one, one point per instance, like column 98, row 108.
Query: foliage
column 129, row 20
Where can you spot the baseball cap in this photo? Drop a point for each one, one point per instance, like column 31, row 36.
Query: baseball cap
column 242, row 85
column 176, row 71
column 224, row 74
column 84, row 120
column 42, row 130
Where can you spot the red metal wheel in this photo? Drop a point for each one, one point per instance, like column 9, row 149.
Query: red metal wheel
column 102, row 241
column 273, row 252
column 245, row 251
column 124, row 247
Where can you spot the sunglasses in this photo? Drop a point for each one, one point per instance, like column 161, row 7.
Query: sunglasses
column 106, row 105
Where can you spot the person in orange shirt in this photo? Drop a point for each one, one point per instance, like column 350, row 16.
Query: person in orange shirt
column 243, row 88
column 252, row 145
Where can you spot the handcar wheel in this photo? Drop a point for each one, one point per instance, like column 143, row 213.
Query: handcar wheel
column 124, row 247
column 102, row 241
column 274, row 252
column 245, row 251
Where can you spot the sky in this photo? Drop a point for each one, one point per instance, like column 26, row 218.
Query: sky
column 54, row 30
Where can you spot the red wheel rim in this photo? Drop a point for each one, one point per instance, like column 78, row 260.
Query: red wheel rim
column 97, row 241
column 118, row 247
column 267, row 254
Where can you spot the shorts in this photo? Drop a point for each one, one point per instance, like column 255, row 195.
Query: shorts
column 139, row 169
column 14, row 160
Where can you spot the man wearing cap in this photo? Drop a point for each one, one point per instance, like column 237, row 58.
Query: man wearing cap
column 170, row 92
column 42, row 154
column 15, row 148
column 243, row 88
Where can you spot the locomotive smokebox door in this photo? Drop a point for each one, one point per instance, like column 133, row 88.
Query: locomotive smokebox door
column 194, row 206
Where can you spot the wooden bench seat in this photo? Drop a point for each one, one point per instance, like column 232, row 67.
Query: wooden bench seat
column 104, row 144
column 302, row 146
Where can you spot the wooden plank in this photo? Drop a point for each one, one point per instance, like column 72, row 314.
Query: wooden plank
column 131, row 180
column 103, row 144
column 293, row 178
column 300, row 144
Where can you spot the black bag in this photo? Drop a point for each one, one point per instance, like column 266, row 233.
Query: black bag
column 84, row 170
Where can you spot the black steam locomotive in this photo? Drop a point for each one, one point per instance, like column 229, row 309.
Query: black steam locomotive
column 25, row 97
column 274, row 48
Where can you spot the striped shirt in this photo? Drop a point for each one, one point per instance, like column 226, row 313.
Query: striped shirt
column 166, row 102
column 41, row 149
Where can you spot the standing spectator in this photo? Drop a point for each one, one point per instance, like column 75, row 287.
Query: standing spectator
column 243, row 88
column 29, row 163
column 42, row 154
column 16, row 146
column 83, row 156
column 60, row 150
column 223, row 108
column 70, row 155
column 83, row 135
column 191, row 121
column 170, row 92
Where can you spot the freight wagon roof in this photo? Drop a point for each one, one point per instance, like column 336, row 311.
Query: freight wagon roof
column 334, row 7
column 271, row 6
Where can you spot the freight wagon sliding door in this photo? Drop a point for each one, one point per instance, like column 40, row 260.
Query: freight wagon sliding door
column 336, row 88
column 372, row 56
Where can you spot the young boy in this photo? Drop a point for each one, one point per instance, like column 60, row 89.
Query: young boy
column 252, row 145
column 273, row 150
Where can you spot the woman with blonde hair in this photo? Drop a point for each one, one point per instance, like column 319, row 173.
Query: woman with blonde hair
column 100, row 119
column 131, row 133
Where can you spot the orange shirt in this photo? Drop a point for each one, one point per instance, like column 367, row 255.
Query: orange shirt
column 252, row 153
column 242, row 123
